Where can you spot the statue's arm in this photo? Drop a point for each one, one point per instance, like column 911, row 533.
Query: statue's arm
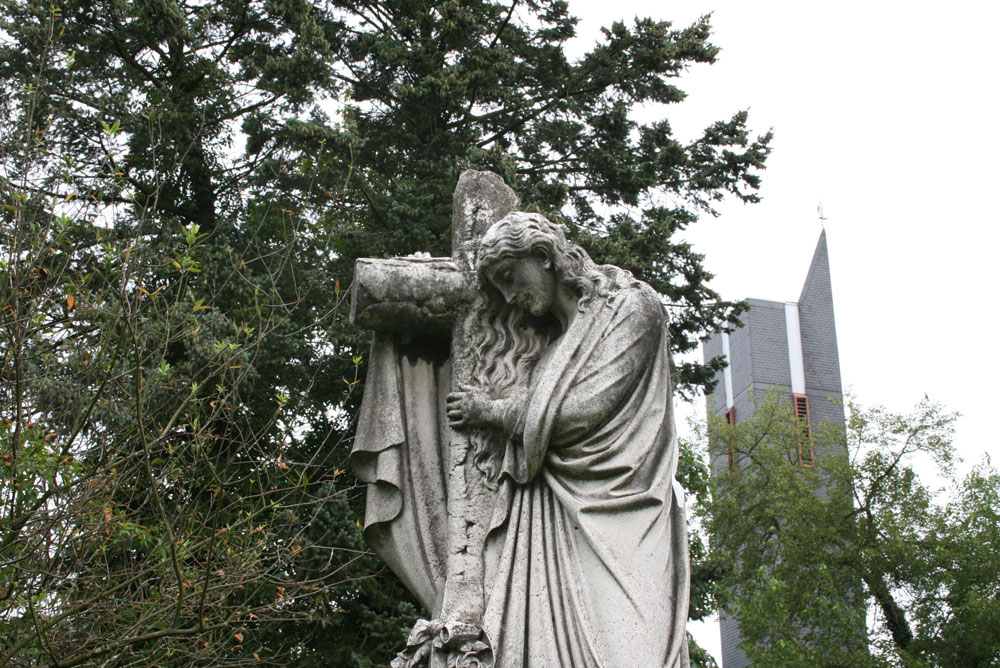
column 471, row 407
column 511, row 412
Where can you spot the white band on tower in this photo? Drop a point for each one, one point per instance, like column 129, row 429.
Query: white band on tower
column 727, row 373
column 795, row 348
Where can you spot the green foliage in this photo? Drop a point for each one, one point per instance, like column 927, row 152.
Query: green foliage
column 185, row 188
column 693, row 475
column 169, row 384
column 435, row 88
column 807, row 551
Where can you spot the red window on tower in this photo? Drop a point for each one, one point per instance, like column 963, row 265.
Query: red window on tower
column 731, row 448
column 806, row 456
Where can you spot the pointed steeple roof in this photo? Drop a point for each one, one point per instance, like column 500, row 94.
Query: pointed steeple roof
column 818, row 277
column 816, row 322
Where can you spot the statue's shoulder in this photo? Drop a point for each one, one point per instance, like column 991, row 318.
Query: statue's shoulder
column 633, row 295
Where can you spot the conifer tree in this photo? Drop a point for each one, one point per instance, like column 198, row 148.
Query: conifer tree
column 435, row 88
column 186, row 187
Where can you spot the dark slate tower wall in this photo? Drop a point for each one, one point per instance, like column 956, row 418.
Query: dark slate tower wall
column 732, row 655
column 712, row 348
column 767, row 354
column 759, row 362
column 758, row 357
column 819, row 341
column 741, row 368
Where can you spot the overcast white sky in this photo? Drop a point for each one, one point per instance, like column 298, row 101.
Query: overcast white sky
column 887, row 113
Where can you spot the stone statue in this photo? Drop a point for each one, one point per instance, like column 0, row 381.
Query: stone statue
column 521, row 472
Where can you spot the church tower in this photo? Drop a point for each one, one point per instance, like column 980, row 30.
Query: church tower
column 785, row 346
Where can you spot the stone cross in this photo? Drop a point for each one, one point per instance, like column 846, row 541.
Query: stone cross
column 432, row 295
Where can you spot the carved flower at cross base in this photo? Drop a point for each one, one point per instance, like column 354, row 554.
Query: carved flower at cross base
column 472, row 655
column 460, row 645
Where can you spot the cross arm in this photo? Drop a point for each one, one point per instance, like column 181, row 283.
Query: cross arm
column 409, row 294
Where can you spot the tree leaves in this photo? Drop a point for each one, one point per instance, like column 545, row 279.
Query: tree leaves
column 807, row 552
column 207, row 174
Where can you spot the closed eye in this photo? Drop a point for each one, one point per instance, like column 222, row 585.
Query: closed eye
column 502, row 276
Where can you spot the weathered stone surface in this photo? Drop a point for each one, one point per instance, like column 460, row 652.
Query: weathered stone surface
column 405, row 449
column 550, row 435
column 481, row 199
column 408, row 294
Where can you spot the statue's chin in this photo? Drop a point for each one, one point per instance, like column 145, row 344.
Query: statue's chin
column 535, row 307
column 532, row 307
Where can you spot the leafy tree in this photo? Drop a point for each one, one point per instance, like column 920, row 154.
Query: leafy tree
column 438, row 87
column 807, row 551
column 693, row 474
column 171, row 441
column 186, row 186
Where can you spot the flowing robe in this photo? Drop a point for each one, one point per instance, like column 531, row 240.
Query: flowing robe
column 592, row 569
column 400, row 450
column 586, row 561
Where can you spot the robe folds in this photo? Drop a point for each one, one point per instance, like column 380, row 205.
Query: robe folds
column 587, row 558
column 400, row 451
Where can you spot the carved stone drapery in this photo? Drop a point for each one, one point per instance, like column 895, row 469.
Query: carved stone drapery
column 431, row 296
column 574, row 553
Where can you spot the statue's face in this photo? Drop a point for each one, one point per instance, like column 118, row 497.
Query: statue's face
column 526, row 282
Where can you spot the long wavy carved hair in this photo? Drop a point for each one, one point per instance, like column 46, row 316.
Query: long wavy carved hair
column 507, row 341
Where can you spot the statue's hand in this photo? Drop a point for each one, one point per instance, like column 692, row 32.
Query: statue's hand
column 470, row 407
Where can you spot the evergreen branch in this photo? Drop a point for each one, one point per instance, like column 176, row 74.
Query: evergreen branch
column 503, row 25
